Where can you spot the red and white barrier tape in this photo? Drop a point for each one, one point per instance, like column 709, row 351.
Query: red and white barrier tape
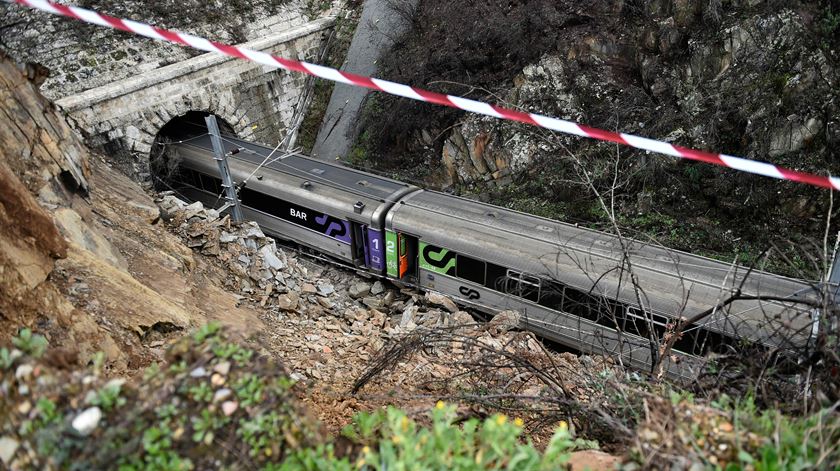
column 568, row 127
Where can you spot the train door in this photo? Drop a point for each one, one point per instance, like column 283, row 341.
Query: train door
column 408, row 257
column 361, row 257
column 401, row 256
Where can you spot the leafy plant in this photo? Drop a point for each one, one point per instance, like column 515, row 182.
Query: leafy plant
column 211, row 329
column 395, row 440
column 29, row 343
column 249, row 390
column 313, row 459
column 204, row 427
column 108, row 397
column 8, row 357
column 201, row 392
column 261, row 432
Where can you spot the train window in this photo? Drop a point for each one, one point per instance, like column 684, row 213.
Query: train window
column 189, row 177
column 211, row 184
column 496, row 276
column 260, row 202
column 522, row 285
column 470, row 269
column 552, row 295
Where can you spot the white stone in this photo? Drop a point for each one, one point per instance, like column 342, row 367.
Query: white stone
column 198, row 372
column 441, row 300
column 229, row 407
column 359, row 290
column 377, row 288
column 86, row 422
column 325, row 289
column 23, row 372
column 8, row 447
column 271, row 259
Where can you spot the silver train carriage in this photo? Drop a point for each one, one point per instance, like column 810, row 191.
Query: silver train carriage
column 572, row 285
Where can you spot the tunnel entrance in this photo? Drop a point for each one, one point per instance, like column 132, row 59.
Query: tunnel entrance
column 191, row 125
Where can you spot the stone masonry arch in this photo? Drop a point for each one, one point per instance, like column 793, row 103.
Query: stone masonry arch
column 259, row 102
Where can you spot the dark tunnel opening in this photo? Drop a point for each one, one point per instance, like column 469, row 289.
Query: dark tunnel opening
column 163, row 162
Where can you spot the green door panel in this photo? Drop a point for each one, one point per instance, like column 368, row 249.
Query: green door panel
column 391, row 257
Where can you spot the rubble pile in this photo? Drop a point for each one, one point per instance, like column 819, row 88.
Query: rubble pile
column 329, row 325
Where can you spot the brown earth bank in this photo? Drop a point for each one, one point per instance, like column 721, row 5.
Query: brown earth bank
column 753, row 79
column 86, row 259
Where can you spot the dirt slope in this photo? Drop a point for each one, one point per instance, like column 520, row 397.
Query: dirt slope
column 84, row 257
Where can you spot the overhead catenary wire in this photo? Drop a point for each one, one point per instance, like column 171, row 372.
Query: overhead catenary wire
column 183, row 141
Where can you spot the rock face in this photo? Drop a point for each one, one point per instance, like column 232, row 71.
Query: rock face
column 752, row 79
column 83, row 257
column 686, row 76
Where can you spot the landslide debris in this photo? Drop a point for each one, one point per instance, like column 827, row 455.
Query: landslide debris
column 360, row 345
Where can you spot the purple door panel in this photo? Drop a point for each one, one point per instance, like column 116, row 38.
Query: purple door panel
column 375, row 250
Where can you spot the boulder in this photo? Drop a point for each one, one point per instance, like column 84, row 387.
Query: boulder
column 504, row 321
column 377, row 288
column 359, row 290
column 441, row 300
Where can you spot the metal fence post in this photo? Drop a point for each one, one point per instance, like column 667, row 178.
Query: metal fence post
column 221, row 160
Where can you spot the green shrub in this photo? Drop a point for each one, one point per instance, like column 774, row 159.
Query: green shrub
column 393, row 441
column 810, row 442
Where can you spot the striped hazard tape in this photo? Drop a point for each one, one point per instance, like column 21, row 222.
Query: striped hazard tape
column 547, row 122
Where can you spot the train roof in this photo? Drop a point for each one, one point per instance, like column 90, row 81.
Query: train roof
column 672, row 282
column 318, row 171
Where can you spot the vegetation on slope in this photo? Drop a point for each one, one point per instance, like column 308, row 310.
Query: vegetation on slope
column 218, row 404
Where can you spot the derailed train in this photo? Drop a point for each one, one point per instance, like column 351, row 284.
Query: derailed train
column 572, row 285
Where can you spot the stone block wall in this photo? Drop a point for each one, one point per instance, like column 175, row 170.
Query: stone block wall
column 81, row 56
column 260, row 103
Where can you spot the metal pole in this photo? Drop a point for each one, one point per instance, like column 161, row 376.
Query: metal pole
column 224, row 171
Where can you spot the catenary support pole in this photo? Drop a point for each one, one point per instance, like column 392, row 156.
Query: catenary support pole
column 224, row 170
column 834, row 273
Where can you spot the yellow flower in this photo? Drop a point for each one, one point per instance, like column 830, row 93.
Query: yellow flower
column 396, row 439
column 519, row 422
column 366, row 450
column 564, row 425
column 404, row 424
column 439, row 405
column 501, row 419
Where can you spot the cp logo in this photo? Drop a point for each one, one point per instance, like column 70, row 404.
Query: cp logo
column 470, row 293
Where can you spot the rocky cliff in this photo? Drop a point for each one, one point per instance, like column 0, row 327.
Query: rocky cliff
column 84, row 257
column 755, row 79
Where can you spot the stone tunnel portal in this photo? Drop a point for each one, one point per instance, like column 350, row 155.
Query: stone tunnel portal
column 181, row 128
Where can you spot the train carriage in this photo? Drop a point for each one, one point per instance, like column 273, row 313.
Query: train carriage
column 335, row 210
column 571, row 284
